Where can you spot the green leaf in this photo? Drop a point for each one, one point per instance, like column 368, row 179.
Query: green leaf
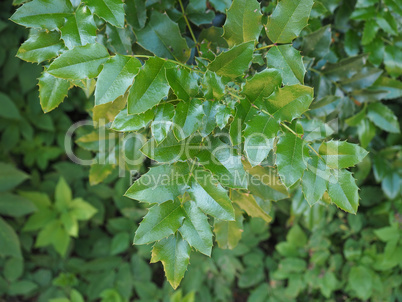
column 210, row 196
column 174, row 253
column 120, row 40
column 196, row 229
column 15, row 205
column 79, row 63
column 234, row 62
column 393, row 60
column 9, row 109
column 228, row 233
column 62, row 195
column 344, row 69
column 41, row 46
column 13, row 269
column 243, row 22
column 316, row 44
column 352, row 44
column 43, row 14
column 265, row 183
column 79, row 29
column 183, row 83
column 136, row 13
column 391, row 185
column 160, row 184
column 212, row 86
column 288, row 19
column 149, row 87
column 262, row 85
column 343, row 191
column 223, row 162
column 383, row 117
column 120, row 243
column 315, row 180
column 9, row 242
column 248, row 203
column 237, row 125
column 52, row 91
column 162, row 37
column 360, row 281
column 162, row 121
column 171, row 150
column 259, row 133
column 54, row 234
column 341, row 154
column 126, row 123
column 289, row 102
column 387, row 22
column 81, row 209
column 111, row 11
column 291, row 158
column 70, row 224
column 10, row 177
column 188, row 118
column 161, row 221
column 198, row 13
column 369, row 32
column 392, row 88
column 22, row 287
column 289, row 62
column 116, row 76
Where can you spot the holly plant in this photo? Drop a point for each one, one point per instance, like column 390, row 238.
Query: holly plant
column 221, row 114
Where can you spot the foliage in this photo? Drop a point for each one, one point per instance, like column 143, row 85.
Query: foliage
column 222, row 93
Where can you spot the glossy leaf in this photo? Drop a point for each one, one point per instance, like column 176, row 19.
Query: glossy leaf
column 174, row 253
column 80, row 62
column 262, row 85
column 343, row 191
column 183, row 83
column 291, row 157
column 41, row 46
column 171, row 150
column 162, row 37
column 111, row 11
column 116, row 76
column 383, row 117
column 341, row 154
column 196, row 229
column 315, row 180
column 289, row 62
column 212, row 85
column 126, row 123
column 79, row 29
column 288, row 19
column 160, row 222
column 234, row 62
column 317, row 43
column 160, row 184
column 250, row 205
column 149, row 87
column 162, row 122
column 224, row 163
column 289, row 102
column 188, row 118
column 228, row 233
column 52, row 91
column 243, row 22
column 210, row 196
column 43, row 14
column 259, row 132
